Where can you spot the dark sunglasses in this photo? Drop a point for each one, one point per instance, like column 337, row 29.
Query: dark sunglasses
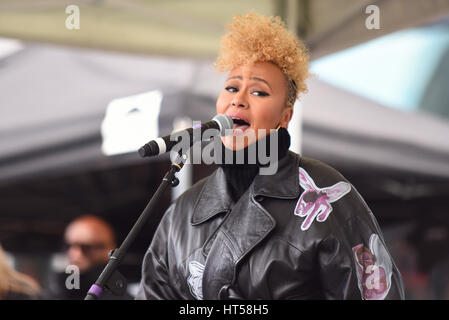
column 86, row 248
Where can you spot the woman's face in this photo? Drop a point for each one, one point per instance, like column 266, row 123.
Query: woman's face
column 257, row 95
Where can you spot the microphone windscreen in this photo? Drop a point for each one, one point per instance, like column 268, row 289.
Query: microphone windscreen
column 225, row 122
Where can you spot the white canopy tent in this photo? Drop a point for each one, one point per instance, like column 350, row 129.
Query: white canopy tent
column 53, row 100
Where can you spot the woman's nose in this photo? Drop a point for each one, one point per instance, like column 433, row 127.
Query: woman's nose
column 239, row 100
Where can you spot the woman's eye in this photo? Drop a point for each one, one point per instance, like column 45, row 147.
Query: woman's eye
column 260, row 93
column 231, row 89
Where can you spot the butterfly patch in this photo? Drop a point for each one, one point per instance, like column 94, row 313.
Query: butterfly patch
column 195, row 279
column 374, row 269
column 315, row 203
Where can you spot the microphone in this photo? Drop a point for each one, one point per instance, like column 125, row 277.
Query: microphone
column 162, row 145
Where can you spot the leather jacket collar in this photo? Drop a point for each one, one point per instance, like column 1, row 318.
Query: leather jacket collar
column 283, row 185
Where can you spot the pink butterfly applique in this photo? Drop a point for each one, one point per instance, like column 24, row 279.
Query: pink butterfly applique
column 316, row 202
column 374, row 269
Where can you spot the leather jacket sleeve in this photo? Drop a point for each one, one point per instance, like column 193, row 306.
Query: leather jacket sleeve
column 355, row 263
column 156, row 286
column 155, row 282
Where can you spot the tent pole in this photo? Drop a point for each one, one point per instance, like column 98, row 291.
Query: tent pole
column 295, row 126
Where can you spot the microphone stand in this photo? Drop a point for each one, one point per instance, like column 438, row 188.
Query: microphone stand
column 110, row 278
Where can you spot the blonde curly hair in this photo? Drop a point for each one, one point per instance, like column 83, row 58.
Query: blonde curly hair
column 255, row 38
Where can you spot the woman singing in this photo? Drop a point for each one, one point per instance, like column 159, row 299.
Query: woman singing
column 300, row 232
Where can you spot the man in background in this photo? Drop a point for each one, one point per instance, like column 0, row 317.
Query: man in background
column 88, row 241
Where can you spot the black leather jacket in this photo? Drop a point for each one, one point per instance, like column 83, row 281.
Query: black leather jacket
column 303, row 233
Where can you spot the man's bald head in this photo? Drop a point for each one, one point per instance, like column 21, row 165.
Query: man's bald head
column 89, row 238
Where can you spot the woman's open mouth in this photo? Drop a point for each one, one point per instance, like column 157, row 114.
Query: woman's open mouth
column 240, row 126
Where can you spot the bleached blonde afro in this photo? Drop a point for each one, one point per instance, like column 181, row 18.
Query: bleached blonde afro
column 255, row 38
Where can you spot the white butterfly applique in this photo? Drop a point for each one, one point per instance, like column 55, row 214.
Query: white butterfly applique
column 195, row 279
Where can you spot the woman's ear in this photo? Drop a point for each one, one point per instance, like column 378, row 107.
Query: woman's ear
column 287, row 114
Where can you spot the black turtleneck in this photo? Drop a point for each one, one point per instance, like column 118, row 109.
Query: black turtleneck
column 240, row 176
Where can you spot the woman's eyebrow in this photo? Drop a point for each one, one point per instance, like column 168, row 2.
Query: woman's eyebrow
column 253, row 78
column 235, row 77
column 261, row 80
